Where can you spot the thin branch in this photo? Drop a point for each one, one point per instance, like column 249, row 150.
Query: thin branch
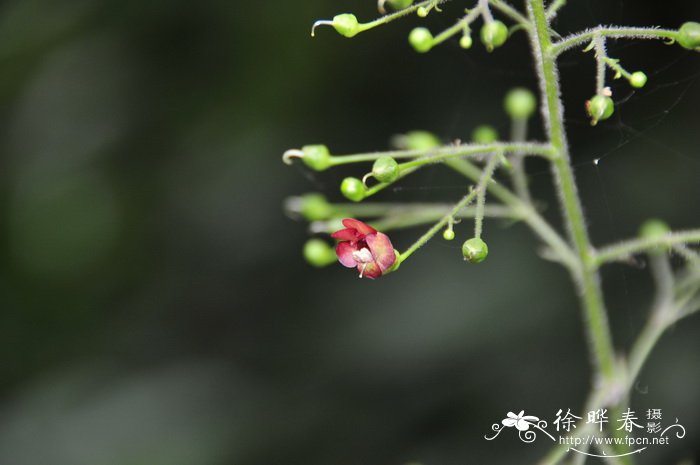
column 435, row 154
column 584, row 37
column 511, row 12
column 600, row 56
column 518, row 176
column 624, row 250
column 408, row 216
column 530, row 216
column 554, row 8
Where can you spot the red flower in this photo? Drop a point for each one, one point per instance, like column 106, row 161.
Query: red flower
column 364, row 247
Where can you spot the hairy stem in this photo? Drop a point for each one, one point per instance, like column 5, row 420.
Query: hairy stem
column 511, row 12
column 626, row 249
column 518, row 176
column 596, row 321
column 440, row 224
column 441, row 153
column 581, row 38
column 529, row 215
column 481, row 196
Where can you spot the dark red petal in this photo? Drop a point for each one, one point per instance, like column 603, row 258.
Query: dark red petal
column 370, row 270
column 344, row 252
column 346, row 235
column 382, row 250
column 362, row 228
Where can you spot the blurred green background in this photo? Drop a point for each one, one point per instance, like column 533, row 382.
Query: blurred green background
column 155, row 305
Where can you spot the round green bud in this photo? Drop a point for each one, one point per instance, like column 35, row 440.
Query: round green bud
column 484, row 134
column 316, row 157
column 689, row 36
column 520, row 103
column 466, row 41
column 653, row 229
column 448, row 234
column 315, row 207
column 417, row 140
column 475, row 250
column 421, row 39
column 318, row 253
column 385, row 169
column 422, row 12
column 494, row 34
column 346, row 24
column 353, row 189
column 600, row 108
column 400, row 4
column 638, row 79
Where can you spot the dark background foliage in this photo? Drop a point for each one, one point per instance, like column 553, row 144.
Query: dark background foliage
column 155, row 306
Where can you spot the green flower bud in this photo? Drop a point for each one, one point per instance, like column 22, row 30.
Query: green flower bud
column 689, row 36
column 353, row 189
column 316, row 157
column 315, row 207
column 422, row 12
column 346, row 24
column 654, row 229
column 466, row 41
column 318, row 253
column 400, row 4
column 484, row 134
column 421, row 39
column 417, row 140
column 600, row 108
column 385, row 169
column 638, row 79
column 494, row 34
column 520, row 103
column 475, row 250
column 448, row 234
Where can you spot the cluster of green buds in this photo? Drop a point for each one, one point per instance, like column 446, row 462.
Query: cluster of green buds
column 364, row 246
column 420, row 148
column 601, row 106
column 493, row 32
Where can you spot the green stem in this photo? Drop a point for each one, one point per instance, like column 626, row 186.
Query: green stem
column 518, row 177
column 392, row 216
column 626, row 249
column 531, row 217
column 484, row 180
column 615, row 66
column 405, row 171
column 439, row 225
column 600, row 56
column 511, row 12
column 616, row 32
column 481, row 196
column 398, row 14
column 442, row 153
column 426, row 217
column 554, row 8
column 395, row 209
column 601, row 346
column 460, row 26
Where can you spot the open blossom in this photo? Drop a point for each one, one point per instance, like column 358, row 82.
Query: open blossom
column 363, row 247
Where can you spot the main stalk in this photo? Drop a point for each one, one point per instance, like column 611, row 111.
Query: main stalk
column 588, row 281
